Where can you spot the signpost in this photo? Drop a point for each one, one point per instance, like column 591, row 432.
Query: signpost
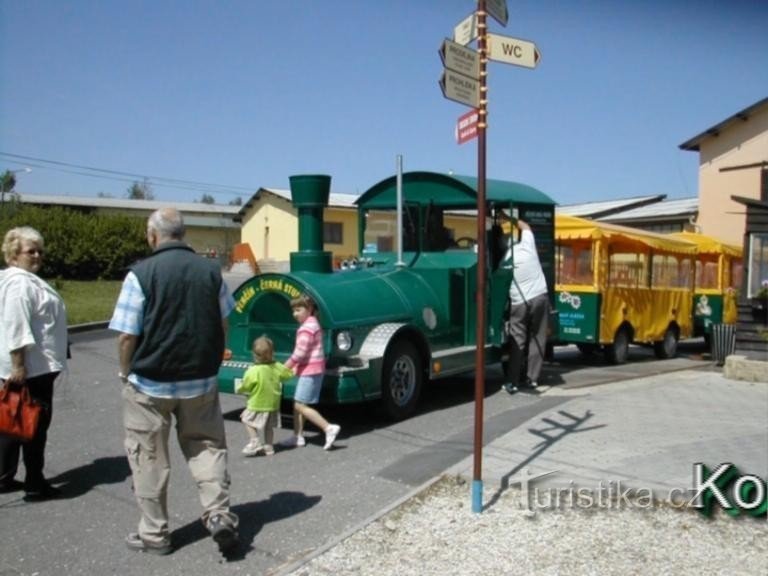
column 460, row 59
column 464, row 80
column 466, row 31
column 498, row 10
column 513, row 51
column 460, row 88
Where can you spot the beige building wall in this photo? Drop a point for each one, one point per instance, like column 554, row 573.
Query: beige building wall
column 738, row 144
column 272, row 230
column 347, row 217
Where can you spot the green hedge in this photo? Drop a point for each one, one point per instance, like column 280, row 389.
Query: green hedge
column 81, row 246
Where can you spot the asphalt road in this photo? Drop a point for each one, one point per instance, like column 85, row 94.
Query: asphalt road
column 289, row 504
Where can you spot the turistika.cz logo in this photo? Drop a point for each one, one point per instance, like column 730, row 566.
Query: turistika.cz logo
column 733, row 491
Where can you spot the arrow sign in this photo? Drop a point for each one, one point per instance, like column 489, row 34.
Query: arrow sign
column 513, row 51
column 498, row 9
column 460, row 59
column 466, row 31
column 460, row 88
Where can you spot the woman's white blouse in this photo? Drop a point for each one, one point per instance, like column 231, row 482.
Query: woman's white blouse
column 33, row 317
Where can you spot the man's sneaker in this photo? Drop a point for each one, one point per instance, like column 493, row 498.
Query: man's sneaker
column 330, row 435
column 135, row 543
column 533, row 384
column 293, row 442
column 251, row 449
column 510, row 388
column 223, row 533
column 268, row 450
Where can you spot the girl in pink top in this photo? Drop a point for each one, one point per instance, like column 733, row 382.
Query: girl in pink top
column 308, row 363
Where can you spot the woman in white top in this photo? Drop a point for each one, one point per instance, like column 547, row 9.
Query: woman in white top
column 33, row 350
column 529, row 307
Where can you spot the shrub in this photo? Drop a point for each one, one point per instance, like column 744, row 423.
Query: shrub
column 81, row 246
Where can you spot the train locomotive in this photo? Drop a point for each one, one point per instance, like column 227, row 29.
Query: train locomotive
column 392, row 320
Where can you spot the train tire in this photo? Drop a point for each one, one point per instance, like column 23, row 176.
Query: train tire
column 402, row 380
column 667, row 347
column 618, row 351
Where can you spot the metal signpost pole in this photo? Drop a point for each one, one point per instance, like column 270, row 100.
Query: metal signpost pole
column 477, row 482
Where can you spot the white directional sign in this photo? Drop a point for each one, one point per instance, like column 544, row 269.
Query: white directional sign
column 466, row 31
column 513, row 51
column 498, row 9
column 460, row 59
column 460, row 88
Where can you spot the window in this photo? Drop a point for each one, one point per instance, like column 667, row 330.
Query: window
column 758, row 263
column 628, row 270
column 574, row 264
column 333, row 233
column 673, row 271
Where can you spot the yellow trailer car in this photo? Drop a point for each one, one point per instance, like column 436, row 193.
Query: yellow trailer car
column 617, row 285
column 719, row 268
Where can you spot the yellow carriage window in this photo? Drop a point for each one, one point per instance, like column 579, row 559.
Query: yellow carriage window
column 670, row 271
column 627, row 269
column 706, row 273
column 574, row 264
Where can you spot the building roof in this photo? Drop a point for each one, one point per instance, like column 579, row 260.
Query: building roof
column 195, row 213
column 678, row 208
column 694, row 143
column 335, row 200
column 125, row 203
column 602, row 208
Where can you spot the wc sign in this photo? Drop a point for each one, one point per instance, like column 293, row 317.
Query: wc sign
column 732, row 491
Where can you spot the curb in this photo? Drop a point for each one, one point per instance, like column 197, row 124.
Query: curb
column 87, row 327
column 293, row 565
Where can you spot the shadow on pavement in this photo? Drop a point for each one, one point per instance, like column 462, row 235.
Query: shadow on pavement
column 80, row 480
column 253, row 515
column 551, row 432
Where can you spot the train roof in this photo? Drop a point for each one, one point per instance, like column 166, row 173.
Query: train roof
column 449, row 191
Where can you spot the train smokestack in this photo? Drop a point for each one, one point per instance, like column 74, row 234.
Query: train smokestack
column 309, row 194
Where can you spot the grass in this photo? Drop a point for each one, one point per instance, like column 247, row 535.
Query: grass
column 88, row 301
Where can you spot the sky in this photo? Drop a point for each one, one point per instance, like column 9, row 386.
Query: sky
column 225, row 97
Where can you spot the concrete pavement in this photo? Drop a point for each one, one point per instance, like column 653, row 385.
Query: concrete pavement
column 643, row 434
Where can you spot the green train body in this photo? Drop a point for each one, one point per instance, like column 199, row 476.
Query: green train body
column 388, row 324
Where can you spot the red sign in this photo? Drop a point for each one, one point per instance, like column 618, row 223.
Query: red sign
column 466, row 127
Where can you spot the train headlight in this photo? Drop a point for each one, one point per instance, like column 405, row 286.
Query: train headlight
column 344, row 341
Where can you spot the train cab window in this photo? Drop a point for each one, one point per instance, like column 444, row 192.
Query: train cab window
column 628, row 269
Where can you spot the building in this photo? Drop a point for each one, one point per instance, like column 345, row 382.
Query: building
column 211, row 228
column 733, row 161
column 654, row 212
column 269, row 224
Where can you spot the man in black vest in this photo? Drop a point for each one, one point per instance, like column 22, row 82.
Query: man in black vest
column 171, row 315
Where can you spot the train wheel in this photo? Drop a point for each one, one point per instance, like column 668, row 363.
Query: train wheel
column 618, row 352
column 401, row 380
column 667, row 348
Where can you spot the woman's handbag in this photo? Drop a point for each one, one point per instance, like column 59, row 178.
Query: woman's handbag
column 19, row 414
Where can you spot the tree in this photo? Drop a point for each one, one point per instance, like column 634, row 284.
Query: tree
column 140, row 191
column 238, row 201
column 207, row 199
column 7, row 184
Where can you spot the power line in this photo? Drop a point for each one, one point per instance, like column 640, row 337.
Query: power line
column 120, row 176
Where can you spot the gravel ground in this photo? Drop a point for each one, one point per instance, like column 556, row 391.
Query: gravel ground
column 435, row 532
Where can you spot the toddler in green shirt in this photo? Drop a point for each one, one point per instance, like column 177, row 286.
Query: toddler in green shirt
column 263, row 384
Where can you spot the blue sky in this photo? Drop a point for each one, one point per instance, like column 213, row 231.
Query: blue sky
column 243, row 94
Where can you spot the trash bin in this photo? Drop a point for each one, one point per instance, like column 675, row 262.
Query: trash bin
column 723, row 342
